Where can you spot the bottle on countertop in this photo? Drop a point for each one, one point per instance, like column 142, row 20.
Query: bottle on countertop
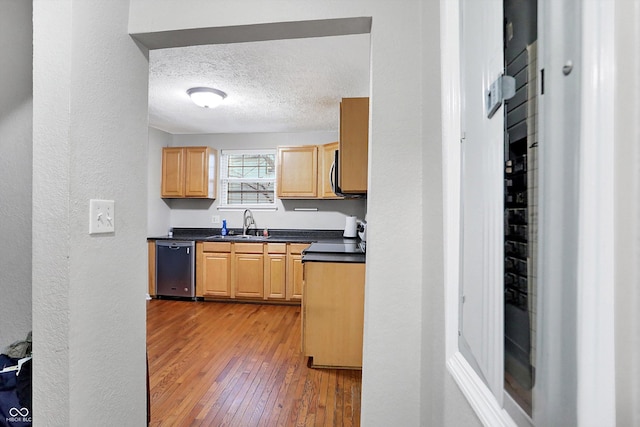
column 170, row 234
column 224, row 231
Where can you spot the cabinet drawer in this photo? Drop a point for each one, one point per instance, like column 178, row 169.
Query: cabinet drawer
column 248, row 248
column 216, row 247
column 297, row 248
column 277, row 248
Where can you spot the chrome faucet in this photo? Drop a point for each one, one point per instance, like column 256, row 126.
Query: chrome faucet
column 247, row 221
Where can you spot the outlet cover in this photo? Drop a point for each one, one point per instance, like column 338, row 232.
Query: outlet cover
column 215, row 219
column 102, row 218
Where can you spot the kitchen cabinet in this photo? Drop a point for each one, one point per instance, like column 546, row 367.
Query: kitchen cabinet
column 151, row 249
column 238, row 270
column 172, row 172
column 326, row 159
column 298, row 172
column 295, row 271
column 188, row 172
column 275, row 271
column 333, row 313
column 354, row 145
column 248, row 270
column 214, row 270
column 304, row 171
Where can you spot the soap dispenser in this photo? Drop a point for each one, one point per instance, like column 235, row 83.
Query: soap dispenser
column 223, row 231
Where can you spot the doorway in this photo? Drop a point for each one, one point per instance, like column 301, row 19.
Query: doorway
column 146, row 38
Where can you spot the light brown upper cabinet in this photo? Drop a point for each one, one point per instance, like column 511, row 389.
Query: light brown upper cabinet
column 188, row 172
column 327, row 157
column 298, row 172
column 304, row 171
column 354, row 145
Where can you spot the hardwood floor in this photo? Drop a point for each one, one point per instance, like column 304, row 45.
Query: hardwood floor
column 227, row 364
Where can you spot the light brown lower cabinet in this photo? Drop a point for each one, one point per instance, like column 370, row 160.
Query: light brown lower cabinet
column 248, row 270
column 256, row 271
column 216, row 275
column 333, row 314
column 295, row 271
column 213, row 269
column 275, row 271
column 151, row 246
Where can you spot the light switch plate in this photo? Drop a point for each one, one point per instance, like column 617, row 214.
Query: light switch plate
column 102, row 218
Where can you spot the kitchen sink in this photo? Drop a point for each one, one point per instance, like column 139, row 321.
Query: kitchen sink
column 237, row 237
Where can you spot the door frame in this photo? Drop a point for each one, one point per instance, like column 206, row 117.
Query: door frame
column 595, row 333
column 596, row 268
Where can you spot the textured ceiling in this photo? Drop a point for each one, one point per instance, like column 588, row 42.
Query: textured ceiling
column 272, row 86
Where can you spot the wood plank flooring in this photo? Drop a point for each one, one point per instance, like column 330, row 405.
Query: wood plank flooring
column 228, row 364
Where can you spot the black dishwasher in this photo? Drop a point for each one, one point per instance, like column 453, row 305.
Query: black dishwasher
column 175, row 268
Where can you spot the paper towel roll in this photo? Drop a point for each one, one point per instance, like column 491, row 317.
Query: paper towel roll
column 350, row 227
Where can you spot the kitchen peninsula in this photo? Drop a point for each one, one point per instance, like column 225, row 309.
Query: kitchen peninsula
column 333, row 304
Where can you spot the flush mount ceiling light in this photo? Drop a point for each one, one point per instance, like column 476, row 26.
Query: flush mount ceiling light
column 206, row 97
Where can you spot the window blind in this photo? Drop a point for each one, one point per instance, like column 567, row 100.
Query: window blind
column 248, row 178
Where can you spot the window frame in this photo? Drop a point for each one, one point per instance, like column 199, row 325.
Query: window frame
column 223, row 180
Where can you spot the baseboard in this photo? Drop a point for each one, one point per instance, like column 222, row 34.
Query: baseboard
column 483, row 402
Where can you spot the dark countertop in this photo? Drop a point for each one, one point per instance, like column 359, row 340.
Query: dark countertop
column 334, row 257
column 275, row 236
column 323, row 251
column 328, row 245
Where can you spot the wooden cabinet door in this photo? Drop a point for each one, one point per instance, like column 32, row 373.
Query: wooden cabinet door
column 196, row 172
column 333, row 310
column 354, row 145
column 294, row 278
column 249, row 275
column 151, row 246
column 298, row 172
column 216, row 274
column 172, row 172
column 327, row 157
column 295, row 270
column 188, row 172
column 275, row 276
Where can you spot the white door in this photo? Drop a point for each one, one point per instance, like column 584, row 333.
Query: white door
column 481, row 311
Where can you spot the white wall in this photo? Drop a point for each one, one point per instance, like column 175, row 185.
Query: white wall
column 198, row 213
column 434, row 302
column 15, row 170
column 405, row 381
column 627, row 205
column 158, row 210
column 90, row 141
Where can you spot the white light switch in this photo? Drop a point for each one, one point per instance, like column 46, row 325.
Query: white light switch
column 102, row 218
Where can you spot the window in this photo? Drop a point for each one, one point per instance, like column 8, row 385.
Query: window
column 248, row 178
